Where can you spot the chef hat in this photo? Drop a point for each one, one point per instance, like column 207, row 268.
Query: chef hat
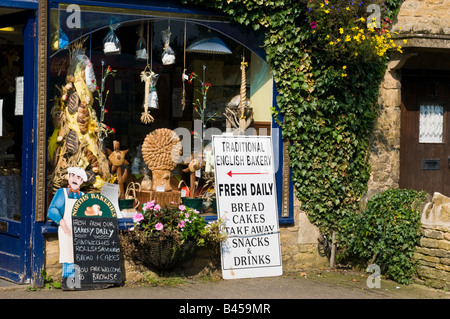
column 79, row 172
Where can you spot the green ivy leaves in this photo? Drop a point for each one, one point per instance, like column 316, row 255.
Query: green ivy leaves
column 327, row 99
column 387, row 232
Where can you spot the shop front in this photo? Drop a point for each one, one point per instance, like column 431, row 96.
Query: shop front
column 141, row 71
column 17, row 108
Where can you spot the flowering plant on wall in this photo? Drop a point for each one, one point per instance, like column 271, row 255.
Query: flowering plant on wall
column 348, row 31
column 164, row 237
column 178, row 221
column 200, row 106
column 102, row 98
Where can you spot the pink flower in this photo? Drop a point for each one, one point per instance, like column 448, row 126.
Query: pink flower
column 159, row 226
column 313, row 25
column 181, row 207
column 138, row 217
column 181, row 224
column 157, row 207
column 150, row 205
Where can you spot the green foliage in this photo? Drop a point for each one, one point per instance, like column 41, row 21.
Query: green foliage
column 327, row 66
column 182, row 222
column 387, row 232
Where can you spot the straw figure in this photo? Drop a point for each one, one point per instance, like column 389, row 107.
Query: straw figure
column 161, row 152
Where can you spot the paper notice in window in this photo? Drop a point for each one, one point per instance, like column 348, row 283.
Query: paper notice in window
column 111, row 191
column 19, row 96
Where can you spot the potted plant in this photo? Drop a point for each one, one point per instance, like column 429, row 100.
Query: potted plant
column 163, row 237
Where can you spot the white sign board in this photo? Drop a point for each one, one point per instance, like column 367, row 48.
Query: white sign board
column 246, row 197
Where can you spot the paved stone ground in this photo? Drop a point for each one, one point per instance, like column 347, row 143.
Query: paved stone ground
column 308, row 284
column 323, row 292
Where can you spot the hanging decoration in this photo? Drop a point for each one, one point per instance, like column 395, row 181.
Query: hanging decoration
column 75, row 139
column 238, row 114
column 141, row 46
column 184, row 77
column 150, row 79
column 63, row 40
column 168, row 55
column 111, row 43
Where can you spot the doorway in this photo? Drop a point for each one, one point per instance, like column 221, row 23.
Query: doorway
column 16, row 103
column 425, row 131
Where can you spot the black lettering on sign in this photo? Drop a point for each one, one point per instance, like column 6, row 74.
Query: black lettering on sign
column 96, row 251
column 96, row 245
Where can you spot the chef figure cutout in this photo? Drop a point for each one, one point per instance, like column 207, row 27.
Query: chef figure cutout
column 60, row 211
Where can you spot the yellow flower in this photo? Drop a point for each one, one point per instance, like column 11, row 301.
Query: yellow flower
column 321, row 5
column 348, row 9
column 326, row 11
column 362, row 19
column 343, row 75
column 348, row 38
column 344, row 67
column 327, row 37
column 341, row 30
column 404, row 41
column 331, row 42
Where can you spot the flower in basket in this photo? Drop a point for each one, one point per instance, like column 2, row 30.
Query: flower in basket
column 163, row 237
column 177, row 221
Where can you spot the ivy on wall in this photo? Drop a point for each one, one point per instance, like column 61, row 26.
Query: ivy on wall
column 328, row 58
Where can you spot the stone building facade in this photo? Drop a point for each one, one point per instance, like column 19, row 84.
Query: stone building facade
column 425, row 24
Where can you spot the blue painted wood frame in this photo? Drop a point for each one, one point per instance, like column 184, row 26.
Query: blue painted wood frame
column 20, row 4
column 28, row 169
column 16, row 264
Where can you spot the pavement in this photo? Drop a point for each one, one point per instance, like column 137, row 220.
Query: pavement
column 317, row 292
column 325, row 284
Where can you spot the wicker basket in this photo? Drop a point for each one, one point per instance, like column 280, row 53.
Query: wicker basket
column 161, row 198
column 161, row 253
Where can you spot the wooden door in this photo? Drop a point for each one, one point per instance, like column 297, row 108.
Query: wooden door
column 425, row 132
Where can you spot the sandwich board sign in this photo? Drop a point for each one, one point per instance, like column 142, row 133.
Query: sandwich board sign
column 96, row 245
column 246, row 199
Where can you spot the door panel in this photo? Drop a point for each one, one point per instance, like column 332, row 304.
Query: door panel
column 16, row 61
column 425, row 133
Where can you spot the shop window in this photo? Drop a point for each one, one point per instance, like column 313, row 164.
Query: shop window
column 140, row 45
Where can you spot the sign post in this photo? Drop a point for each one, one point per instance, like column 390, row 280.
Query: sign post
column 96, row 245
column 246, row 198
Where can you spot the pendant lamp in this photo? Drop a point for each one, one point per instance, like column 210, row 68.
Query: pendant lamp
column 209, row 45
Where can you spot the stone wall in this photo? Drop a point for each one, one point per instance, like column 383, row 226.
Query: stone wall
column 433, row 254
column 299, row 243
column 52, row 265
column 424, row 16
column 385, row 147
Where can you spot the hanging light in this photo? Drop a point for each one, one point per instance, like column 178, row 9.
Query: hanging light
column 209, row 45
column 141, row 51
